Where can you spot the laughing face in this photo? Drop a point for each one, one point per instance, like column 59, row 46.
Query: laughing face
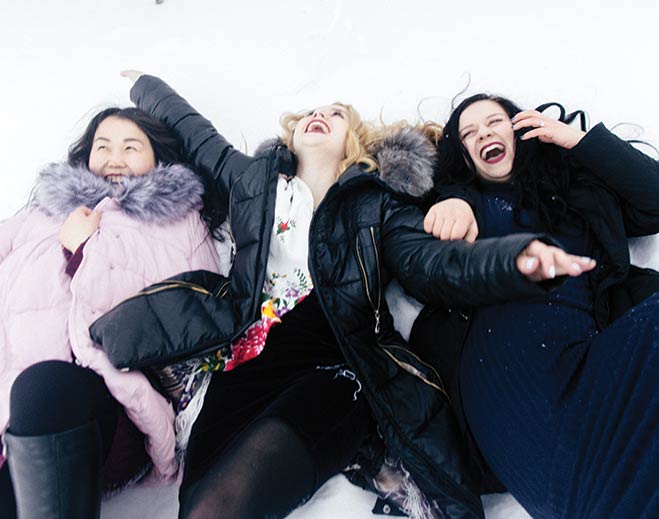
column 486, row 133
column 120, row 149
column 325, row 127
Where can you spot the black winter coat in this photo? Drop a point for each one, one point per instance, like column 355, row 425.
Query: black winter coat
column 362, row 235
column 621, row 201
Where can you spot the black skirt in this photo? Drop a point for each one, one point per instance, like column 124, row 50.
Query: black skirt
column 301, row 378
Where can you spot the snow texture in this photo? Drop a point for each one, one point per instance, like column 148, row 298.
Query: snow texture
column 244, row 63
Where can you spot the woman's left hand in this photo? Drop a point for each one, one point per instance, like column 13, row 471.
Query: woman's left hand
column 540, row 262
column 451, row 219
column 547, row 129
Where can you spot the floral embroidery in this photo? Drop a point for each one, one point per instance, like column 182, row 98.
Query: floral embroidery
column 287, row 281
column 283, row 226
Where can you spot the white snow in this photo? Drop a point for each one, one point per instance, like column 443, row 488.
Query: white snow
column 244, row 63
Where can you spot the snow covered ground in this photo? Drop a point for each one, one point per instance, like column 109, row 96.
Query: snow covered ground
column 244, row 63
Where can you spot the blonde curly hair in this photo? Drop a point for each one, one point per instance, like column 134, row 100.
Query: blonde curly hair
column 360, row 134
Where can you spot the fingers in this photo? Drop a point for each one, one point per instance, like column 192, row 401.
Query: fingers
column 472, row 233
column 445, row 233
column 429, row 221
column 541, row 262
column 546, row 129
column 451, row 219
column 133, row 75
column 94, row 217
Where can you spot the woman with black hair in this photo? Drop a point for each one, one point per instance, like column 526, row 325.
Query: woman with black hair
column 559, row 392
column 122, row 213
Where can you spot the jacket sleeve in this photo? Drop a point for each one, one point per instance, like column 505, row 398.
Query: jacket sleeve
column 210, row 153
column 147, row 409
column 454, row 273
column 628, row 172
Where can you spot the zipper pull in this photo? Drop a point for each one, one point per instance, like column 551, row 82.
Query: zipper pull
column 377, row 321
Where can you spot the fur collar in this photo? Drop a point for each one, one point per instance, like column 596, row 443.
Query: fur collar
column 166, row 194
column 405, row 157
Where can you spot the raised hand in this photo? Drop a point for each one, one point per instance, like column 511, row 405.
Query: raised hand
column 547, row 129
column 451, row 219
column 78, row 226
column 133, row 75
column 540, row 261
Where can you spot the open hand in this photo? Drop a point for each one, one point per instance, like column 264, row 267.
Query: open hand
column 540, row 261
column 78, row 226
column 451, row 219
column 547, row 129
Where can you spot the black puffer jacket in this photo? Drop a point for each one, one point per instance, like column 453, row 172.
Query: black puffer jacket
column 620, row 201
column 362, row 235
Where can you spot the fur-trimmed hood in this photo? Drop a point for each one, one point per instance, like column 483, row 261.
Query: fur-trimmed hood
column 166, row 194
column 405, row 157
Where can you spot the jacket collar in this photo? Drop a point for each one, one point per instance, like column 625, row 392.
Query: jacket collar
column 405, row 157
column 167, row 193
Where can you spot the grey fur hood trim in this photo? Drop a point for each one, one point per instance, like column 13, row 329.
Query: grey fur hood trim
column 406, row 160
column 166, row 194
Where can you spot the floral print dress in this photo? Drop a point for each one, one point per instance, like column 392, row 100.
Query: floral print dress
column 287, row 280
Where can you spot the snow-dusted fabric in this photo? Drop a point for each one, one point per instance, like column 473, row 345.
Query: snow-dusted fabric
column 150, row 229
column 287, row 277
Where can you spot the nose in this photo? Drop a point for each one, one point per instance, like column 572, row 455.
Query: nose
column 484, row 131
column 116, row 160
column 319, row 113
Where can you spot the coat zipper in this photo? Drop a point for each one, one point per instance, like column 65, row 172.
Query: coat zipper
column 376, row 311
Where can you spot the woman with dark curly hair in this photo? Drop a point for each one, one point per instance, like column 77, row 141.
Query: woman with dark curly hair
column 559, row 392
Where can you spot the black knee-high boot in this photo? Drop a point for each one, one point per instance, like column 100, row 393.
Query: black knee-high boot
column 56, row 476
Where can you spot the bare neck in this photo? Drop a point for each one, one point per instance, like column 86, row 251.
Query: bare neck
column 318, row 173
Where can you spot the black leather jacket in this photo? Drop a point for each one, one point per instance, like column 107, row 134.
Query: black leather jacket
column 621, row 200
column 362, row 235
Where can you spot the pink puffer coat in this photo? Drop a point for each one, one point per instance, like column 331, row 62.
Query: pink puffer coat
column 150, row 229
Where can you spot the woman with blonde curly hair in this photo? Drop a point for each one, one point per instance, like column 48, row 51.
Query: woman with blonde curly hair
column 308, row 359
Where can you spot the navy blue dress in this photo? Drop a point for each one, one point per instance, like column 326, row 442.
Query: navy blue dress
column 553, row 404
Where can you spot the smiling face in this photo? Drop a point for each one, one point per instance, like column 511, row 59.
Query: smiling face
column 326, row 128
column 120, row 148
column 486, row 133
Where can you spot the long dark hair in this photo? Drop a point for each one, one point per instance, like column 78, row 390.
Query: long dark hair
column 167, row 150
column 541, row 172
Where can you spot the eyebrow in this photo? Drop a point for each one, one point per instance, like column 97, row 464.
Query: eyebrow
column 130, row 139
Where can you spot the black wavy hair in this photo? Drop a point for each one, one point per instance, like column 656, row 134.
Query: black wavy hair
column 167, row 149
column 541, row 172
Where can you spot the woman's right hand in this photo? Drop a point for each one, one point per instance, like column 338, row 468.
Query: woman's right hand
column 133, row 75
column 539, row 262
column 451, row 219
column 78, row 227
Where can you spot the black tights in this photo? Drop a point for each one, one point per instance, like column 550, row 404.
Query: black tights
column 266, row 472
column 51, row 397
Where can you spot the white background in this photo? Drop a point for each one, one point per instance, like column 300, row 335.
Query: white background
column 245, row 62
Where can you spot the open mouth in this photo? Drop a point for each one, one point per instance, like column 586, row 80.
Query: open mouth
column 493, row 153
column 115, row 178
column 317, row 126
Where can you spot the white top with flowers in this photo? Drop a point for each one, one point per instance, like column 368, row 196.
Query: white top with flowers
column 287, row 280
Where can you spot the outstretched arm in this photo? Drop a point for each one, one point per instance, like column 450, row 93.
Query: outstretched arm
column 457, row 273
column 208, row 151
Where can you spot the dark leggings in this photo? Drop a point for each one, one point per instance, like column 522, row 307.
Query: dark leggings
column 52, row 397
column 273, row 430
